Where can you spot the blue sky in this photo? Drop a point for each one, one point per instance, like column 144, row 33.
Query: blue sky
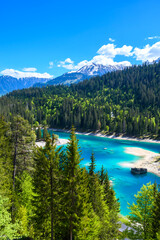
column 48, row 38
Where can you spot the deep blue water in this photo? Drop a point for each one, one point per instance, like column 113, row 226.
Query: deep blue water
column 124, row 183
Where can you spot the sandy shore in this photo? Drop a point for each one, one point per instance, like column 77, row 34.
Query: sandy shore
column 99, row 134
column 148, row 159
column 120, row 137
column 40, row 144
column 59, row 142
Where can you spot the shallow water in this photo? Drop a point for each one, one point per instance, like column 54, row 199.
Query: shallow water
column 109, row 153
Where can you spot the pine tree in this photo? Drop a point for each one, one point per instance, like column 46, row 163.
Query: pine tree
column 8, row 230
column 156, row 214
column 74, row 206
column 142, row 212
column 39, row 133
column 102, row 175
column 108, row 191
column 97, row 199
column 22, row 141
column 90, row 224
column 54, row 138
column 92, row 181
column 25, row 198
column 46, row 185
column 6, row 166
column 92, row 165
column 112, row 203
column 10, row 174
column 45, row 133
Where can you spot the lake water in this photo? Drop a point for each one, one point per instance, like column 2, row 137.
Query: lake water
column 109, row 153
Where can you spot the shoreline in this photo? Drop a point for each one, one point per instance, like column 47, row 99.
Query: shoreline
column 113, row 136
column 59, row 142
column 147, row 159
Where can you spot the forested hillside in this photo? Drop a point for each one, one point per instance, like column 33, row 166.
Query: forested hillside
column 123, row 102
column 46, row 194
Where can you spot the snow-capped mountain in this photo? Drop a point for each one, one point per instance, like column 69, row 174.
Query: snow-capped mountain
column 8, row 83
column 157, row 60
column 152, row 62
column 85, row 72
column 98, row 69
column 68, row 78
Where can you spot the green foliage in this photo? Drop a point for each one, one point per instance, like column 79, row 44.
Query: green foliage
column 73, row 196
column 142, row 212
column 8, row 230
column 89, row 225
column 23, row 139
column 121, row 102
column 6, row 166
column 39, row 133
column 156, row 214
column 54, row 138
column 92, row 165
column 46, row 188
column 45, row 133
column 45, row 194
column 16, row 146
column 98, row 195
column 111, row 201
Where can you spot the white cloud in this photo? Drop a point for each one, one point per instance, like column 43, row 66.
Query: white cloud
column 50, row 65
column 110, row 50
column 125, row 63
column 67, row 63
column 105, row 56
column 67, row 66
column 149, row 53
column 111, row 40
column 99, row 59
column 31, row 69
column 154, row 37
column 20, row 74
column 68, row 60
column 81, row 64
column 104, row 60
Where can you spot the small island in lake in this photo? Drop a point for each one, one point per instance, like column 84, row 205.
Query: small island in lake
column 138, row 170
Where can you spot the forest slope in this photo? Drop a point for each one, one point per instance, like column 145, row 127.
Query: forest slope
column 124, row 102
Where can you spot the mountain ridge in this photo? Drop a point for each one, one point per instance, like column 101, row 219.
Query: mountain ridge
column 9, row 83
column 85, row 72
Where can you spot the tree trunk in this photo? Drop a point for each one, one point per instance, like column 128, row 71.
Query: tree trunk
column 52, row 220
column 71, row 230
column 14, row 162
column 14, row 175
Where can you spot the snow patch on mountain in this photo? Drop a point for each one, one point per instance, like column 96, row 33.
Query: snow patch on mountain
column 98, row 69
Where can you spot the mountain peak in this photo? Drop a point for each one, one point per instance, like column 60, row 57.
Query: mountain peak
column 94, row 69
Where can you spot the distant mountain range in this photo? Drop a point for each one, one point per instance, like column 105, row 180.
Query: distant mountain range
column 8, row 83
column 98, row 69
column 85, row 72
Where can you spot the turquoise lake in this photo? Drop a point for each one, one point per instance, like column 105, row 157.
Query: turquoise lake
column 109, row 153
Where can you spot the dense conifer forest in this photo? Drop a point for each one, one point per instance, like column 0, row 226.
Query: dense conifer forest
column 46, row 195
column 122, row 102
